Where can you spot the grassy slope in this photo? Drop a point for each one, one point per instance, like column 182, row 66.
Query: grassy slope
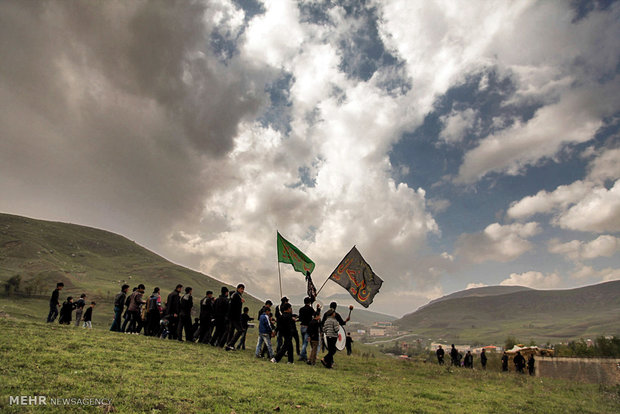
column 151, row 375
column 533, row 314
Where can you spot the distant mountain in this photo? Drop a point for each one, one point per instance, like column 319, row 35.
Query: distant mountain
column 360, row 314
column 88, row 260
column 543, row 315
column 481, row 291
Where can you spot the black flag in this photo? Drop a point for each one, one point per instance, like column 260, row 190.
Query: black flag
column 311, row 287
column 357, row 277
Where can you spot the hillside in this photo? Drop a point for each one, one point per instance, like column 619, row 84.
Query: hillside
column 481, row 291
column 87, row 260
column 543, row 315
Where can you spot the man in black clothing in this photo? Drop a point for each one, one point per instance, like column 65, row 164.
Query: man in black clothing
column 220, row 314
column 333, row 306
column 530, row 364
column 278, row 315
column 505, row 362
column 454, row 356
column 206, row 314
column 286, row 327
column 306, row 313
column 173, row 308
column 235, row 329
column 185, row 316
column 245, row 324
column 440, row 354
column 65, row 312
column 54, row 302
column 519, row 362
column 483, row 359
column 119, row 303
column 127, row 315
column 349, row 344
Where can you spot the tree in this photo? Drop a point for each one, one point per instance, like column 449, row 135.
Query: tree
column 510, row 342
column 12, row 285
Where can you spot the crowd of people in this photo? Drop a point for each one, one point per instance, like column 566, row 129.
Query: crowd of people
column 457, row 360
column 223, row 321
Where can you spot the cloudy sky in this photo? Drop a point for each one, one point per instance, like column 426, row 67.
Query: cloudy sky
column 457, row 144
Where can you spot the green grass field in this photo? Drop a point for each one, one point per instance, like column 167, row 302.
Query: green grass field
column 143, row 374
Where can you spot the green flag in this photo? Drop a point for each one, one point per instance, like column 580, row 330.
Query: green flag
column 287, row 253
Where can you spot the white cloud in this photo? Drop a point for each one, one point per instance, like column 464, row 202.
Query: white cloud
column 574, row 119
column 585, row 205
column 475, row 285
column 598, row 212
column 533, row 279
column 603, row 275
column 500, row 243
column 603, row 246
column 456, row 124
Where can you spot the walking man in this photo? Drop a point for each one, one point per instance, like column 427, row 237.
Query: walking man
column 119, row 303
column 54, row 302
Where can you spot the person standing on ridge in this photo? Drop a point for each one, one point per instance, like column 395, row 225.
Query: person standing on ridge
column 173, row 308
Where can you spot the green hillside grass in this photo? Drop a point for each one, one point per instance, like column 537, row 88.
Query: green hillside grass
column 143, row 374
column 552, row 316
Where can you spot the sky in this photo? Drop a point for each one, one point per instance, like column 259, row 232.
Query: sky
column 456, row 144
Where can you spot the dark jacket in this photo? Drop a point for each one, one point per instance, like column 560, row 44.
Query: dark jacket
column 187, row 302
column 220, row 307
column 306, row 313
column 54, row 299
column 245, row 319
column 66, row 310
column 88, row 315
column 206, row 309
column 135, row 301
column 119, row 300
column 173, row 303
column 236, row 304
column 264, row 326
column 80, row 304
column 314, row 329
column 286, row 325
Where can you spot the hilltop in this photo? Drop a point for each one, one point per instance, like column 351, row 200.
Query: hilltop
column 543, row 315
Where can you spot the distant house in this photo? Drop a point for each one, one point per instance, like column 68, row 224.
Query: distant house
column 383, row 324
column 377, row 332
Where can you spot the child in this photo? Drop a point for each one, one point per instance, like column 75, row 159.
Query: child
column 349, row 343
column 313, row 336
column 245, row 319
column 66, row 311
column 88, row 316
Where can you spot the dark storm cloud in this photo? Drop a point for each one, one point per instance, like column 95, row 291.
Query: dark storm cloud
column 114, row 109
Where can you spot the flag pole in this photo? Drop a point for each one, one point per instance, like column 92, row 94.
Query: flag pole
column 277, row 255
column 280, row 279
column 317, row 293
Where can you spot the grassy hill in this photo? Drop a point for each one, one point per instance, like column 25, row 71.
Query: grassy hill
column 145, row 374
column 542, row 315
column 86, row 260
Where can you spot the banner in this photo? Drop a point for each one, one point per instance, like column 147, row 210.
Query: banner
column 357, row 277
column 311, row 288
column 287, row 253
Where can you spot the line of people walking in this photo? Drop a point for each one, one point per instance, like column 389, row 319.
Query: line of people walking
column 223, row 321
column 457, row 360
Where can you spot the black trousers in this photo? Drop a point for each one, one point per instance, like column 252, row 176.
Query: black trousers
column 173, row 326
column 286, row 348
column 220, row 332
column 185, row 322
column 331, row 350
column 235, row 330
